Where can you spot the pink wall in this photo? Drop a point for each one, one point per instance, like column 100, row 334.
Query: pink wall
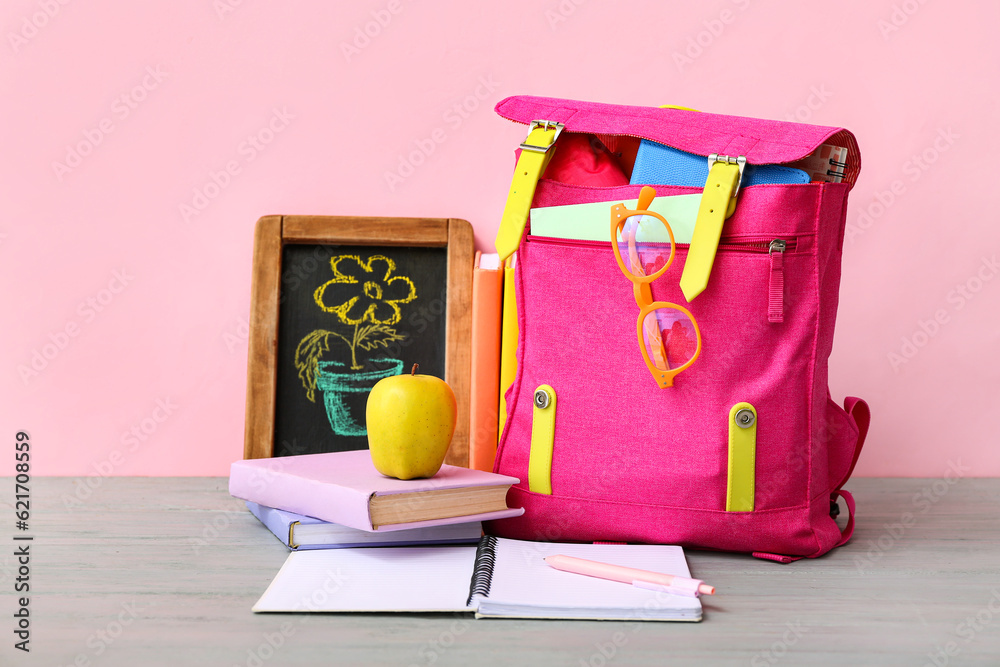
column 141, row 304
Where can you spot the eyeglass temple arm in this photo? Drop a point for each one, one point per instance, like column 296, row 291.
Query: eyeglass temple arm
column 643, row 292
column 646, row 196
column 654, row 341
column 651, row 327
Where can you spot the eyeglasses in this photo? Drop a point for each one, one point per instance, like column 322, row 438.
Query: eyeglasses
column 644, row 246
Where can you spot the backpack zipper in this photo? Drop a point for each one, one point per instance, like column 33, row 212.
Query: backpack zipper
column 626, row 134
column 734, row 243
column 775, row 248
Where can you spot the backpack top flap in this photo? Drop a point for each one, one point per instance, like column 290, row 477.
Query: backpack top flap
column 761, row 141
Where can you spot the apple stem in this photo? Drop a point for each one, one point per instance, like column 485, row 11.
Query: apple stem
column 414, row 371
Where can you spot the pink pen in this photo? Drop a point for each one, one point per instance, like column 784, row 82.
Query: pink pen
column 656, row 581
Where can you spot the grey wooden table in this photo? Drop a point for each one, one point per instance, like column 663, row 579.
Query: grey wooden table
column 163, row 571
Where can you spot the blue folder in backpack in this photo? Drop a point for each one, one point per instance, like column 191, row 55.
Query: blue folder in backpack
column 658, row 164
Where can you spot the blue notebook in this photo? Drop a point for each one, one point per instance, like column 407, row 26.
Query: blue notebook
column 299, row 532
column 658, row 164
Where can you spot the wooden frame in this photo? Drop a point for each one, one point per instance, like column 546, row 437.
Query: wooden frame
column 274, row 232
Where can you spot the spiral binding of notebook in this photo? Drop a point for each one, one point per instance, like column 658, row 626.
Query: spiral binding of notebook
column 482, row 576
column 827, row 163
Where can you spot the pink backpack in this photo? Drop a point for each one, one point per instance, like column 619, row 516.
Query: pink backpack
column 746, row 451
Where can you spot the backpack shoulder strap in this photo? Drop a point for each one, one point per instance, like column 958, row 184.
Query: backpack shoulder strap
column 861, row 415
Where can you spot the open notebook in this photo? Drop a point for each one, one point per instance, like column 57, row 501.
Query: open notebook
column 500, row 578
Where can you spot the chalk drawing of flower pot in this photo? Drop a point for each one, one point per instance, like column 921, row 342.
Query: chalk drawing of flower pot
column 345, row 391
column 363, row 300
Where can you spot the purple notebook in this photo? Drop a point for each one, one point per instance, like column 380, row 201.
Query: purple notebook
column 299, row 532
column 340, row 486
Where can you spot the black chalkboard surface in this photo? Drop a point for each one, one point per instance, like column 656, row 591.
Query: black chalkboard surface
column 339, row 302
column 350, row 316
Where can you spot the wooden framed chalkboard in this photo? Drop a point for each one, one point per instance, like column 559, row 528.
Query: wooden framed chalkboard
column 337, row 303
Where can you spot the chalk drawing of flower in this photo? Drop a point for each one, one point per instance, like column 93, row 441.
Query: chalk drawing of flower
column 365, row 291
column 364, row 295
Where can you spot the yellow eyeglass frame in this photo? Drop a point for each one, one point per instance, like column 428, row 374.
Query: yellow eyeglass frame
column 643, row 294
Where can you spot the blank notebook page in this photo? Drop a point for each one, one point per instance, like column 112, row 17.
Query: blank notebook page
column 522, row 579
column 373, row 579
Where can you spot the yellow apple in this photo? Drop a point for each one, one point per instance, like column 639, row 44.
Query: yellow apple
column 410, row 421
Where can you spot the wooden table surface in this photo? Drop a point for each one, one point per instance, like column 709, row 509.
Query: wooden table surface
column 163, row 571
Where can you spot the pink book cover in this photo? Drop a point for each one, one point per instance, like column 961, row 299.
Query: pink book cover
column 336, row 487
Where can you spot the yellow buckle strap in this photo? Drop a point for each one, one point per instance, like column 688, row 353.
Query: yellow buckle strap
column 535, row 155
column 718, row 202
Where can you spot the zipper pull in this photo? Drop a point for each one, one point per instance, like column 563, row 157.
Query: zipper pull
column 776, row 285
